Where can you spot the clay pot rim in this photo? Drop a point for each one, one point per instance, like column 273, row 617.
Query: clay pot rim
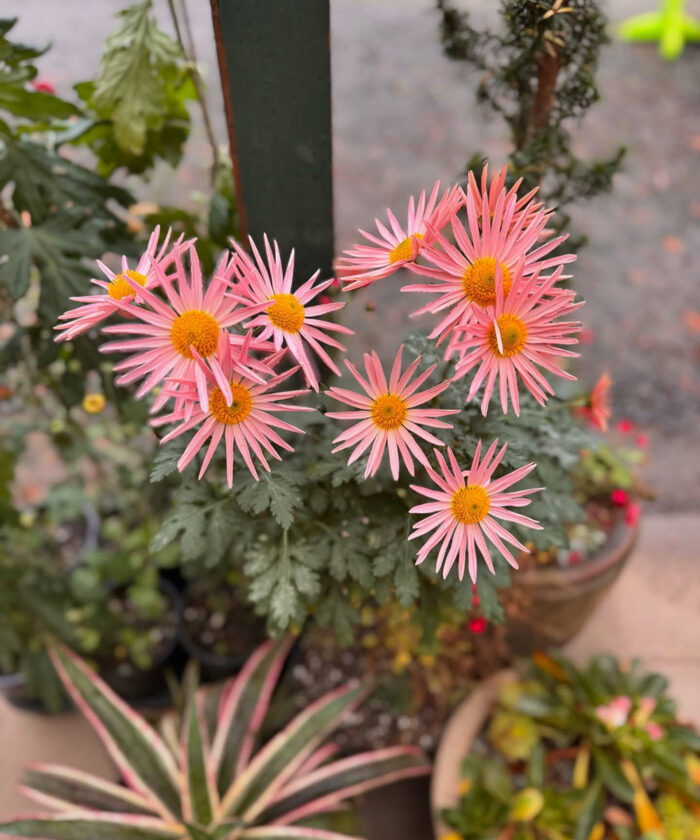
column 462, row 728
column 617, row 547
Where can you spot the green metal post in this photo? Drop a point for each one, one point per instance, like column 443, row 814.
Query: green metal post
column 274, row 58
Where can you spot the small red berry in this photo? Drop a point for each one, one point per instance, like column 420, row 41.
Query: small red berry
column 575, row 557
column 43, row 86
column 624, row 427
column 642, row 441
column 619, row 497
column 477, row 625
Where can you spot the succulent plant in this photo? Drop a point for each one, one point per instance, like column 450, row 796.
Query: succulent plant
column 203, row 776
column 586, row 753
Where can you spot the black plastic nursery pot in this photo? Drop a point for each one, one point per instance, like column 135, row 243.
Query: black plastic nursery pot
column 14, row 688
column 549, row 605
column 149, row 686
column 197, row 638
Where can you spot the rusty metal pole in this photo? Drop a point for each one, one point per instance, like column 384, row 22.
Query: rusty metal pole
column 274, row 59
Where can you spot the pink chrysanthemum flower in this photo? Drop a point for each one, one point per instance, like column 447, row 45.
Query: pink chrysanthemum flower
column 462, row 513
column 525, row 207
column 398, row 247
column 597, row 406
column 246, row 421
column 116, row 290
column 518, row 336
column 173, row 334
column 388, row 415
column 466, row 272
column 289, row 317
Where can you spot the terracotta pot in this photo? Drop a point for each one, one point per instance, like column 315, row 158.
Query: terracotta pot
column 459, row 734
column 548, row 606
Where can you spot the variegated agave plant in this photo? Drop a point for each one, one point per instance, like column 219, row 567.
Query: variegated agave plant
column 202, row 777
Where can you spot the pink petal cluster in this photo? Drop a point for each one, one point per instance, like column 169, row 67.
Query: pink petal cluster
column 615, row 713
column 397, row 246
column 244, row 417
column 289, row 319
column 388, row 415
column 212, row 348
column 466, row 508
column 117, row 290
column 517, row 337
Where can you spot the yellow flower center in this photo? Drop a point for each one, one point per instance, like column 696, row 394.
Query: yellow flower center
column 404, row 250
column 197, row 329
column 94, row 403
column 286, row 313
column 470, row 504
column 479, row 281
column 513, row 336
column 388, row 412
column 239, row 409
column 119, row 288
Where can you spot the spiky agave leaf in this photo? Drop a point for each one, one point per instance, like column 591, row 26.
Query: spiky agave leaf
column 146, row 764
column 327, row 787
column 242, row 709
column 281, row 758
column 66, row 789
column 173, row 785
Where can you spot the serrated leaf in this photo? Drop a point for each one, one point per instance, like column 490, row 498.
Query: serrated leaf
column 406, row 582
column 44, row 181
column 165, row 461
column 277, row 492
column 131, row 89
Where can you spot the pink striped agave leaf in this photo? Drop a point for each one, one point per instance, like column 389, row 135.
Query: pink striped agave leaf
column 205, row 780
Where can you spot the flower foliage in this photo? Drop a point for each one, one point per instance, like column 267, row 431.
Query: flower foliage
column 212, row 354
column 205, row 775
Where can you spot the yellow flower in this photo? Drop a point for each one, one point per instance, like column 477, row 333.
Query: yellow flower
column 465, row 785
column 94, row 403
column 597, row 832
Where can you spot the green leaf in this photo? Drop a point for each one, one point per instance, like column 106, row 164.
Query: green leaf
column 188, row 517
column 56, row 248
column 277, row 492
column 80, row 789
column 131, row 89
column 406, row 582
column 132, row 743
column 280, row 758
column 243, row 709
column 194, row 767
column 44, row 181
column 591, row 811
column 612, row 777
column 165, row 461
column 118, row 827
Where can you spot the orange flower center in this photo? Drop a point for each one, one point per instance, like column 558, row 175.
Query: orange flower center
column 197, row 329
column 119, row 288
column 404, row 250
column 388, row 412
column 286, row 313
column 470, row 504
column 239, row 409
column 513, row 333
column 479, row 281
